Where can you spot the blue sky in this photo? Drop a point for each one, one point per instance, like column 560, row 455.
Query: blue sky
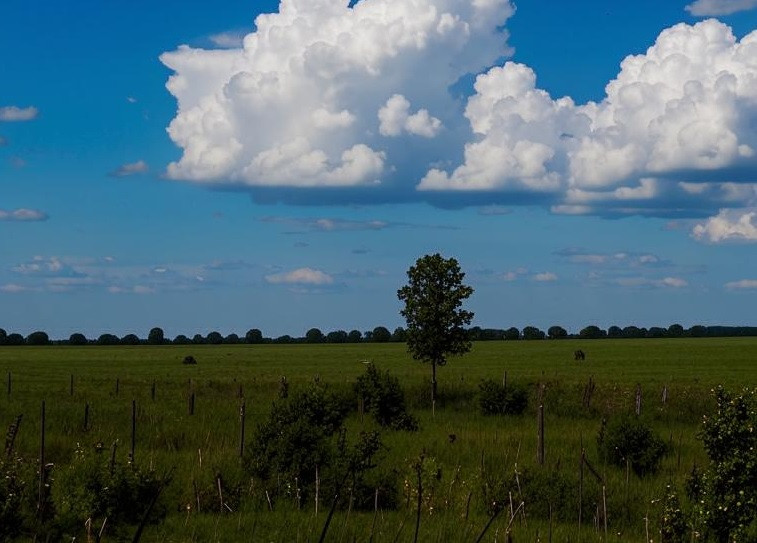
column 289, row 180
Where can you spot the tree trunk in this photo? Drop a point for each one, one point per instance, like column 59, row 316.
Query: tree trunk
column 433, row 382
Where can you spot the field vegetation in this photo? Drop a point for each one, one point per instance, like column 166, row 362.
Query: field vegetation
column 356, row 421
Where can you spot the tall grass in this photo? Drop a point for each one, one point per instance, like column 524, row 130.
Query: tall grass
column 475, row 464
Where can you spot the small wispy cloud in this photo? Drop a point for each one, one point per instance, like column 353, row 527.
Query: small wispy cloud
column 494, row 210
column 612, row 259
column 514, row 275
column 644, row 282
column 228, row 265
column 13, row 288
column 744, row 284
column 18, row 114
column 300, row 276
column 132, row 168
column 23, row 215
column 228, row 40
column 707, row 8
column 17, row 162
column 326, row 224
column 131, row 100
column 545, row 277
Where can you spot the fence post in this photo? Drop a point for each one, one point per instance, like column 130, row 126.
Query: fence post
column 540, row 449
column 242, row 413
column 41, row 493
column 133, row 430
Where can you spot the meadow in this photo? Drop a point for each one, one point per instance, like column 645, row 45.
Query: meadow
column 188, row 423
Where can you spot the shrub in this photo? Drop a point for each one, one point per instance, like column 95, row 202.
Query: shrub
column 496, row 399
column 90, row 487
column 384, row 398
column 673, row 526
column 727, row 489
column 12, row 488
column 298, row 437
column 629, row 440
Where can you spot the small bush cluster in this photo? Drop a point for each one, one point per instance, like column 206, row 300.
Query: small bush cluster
column 93, row 487
column 629, row 441
column 12, row 492
column 725, row 492
column 298, row 438
column 496, row 399
column 383, row 397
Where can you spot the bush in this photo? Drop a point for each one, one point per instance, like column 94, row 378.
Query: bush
column 629, row 440
column 384, row 398
column 90, row 487
column 726, row 491
column 673, row 528
column 298, row 437
column 12, row 491
column 496, row 399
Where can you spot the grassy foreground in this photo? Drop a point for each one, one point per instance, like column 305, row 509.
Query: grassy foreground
column 464, row 471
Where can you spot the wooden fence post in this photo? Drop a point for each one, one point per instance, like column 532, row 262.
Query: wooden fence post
column 41, row 490
column 133, row 430
column 540, row 445
column 86, row 416
column 242, row 414
column 71, row 386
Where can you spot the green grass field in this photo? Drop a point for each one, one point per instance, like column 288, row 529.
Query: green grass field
column 486, row 449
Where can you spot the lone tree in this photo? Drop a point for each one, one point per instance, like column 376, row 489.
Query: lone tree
column 435, row 320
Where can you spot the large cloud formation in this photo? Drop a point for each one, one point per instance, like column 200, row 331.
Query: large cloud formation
column 679, row 115
column 299, row 104
column 324, row 94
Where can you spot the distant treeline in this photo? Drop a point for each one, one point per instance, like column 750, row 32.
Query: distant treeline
column 380, row 334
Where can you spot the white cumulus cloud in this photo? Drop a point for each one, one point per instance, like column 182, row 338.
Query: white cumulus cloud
column 300, row 276
column 686, row 106
column 18, row 114
column 355, row 95
column 705, row 8
column 395, row 119
column 728, row 225
column 296, row 105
